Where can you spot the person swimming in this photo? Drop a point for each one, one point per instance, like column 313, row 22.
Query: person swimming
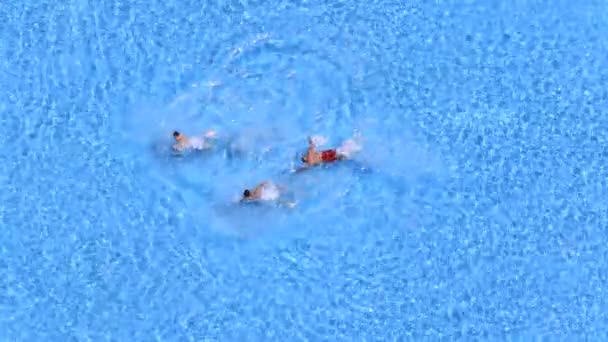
column 314, row 157
column 183, row 143
column 265, row 191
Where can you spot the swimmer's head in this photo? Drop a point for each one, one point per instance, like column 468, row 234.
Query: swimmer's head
column 177, row 135
column 246, row 193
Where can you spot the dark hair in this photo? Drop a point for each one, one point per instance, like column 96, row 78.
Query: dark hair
column 246, row 193
column 175, row 134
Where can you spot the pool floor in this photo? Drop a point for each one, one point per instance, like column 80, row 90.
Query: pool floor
column 476, row 209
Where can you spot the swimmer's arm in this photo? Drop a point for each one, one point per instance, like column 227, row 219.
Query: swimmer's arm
column 181, row 145
column 257, row 192
column 310, row 153
column 260, row 186
column 311, row 146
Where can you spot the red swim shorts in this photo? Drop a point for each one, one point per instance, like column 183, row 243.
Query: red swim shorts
column 329, row 156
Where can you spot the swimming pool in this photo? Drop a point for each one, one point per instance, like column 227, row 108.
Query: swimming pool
column 476, row 211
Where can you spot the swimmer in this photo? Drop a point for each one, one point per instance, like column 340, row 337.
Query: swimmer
column 183, row 143
column 265, row 191
column 314, row 157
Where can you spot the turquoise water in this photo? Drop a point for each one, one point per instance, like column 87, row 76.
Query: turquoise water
column 476, row 211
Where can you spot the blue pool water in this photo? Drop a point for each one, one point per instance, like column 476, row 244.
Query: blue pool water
column 476, row 211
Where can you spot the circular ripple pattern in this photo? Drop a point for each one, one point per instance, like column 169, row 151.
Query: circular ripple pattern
column 476, row 210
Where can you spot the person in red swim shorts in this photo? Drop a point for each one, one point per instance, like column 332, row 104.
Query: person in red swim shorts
column 314, row 157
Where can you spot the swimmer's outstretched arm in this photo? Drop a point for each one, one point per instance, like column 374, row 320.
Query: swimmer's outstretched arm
column 257, row 192
column 310, row 153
